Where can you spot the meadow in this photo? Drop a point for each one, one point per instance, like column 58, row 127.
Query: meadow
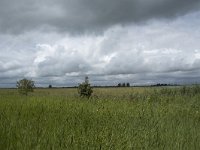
column 113, row 118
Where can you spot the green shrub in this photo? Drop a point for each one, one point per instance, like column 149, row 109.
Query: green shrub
column 24, row 86
column 84, row 89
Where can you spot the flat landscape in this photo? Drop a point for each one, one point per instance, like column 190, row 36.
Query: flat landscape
column 113, row 118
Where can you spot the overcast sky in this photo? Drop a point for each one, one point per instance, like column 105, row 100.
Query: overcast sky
column 59, row 42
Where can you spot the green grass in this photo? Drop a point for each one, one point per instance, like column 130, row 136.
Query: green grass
column 114, row 118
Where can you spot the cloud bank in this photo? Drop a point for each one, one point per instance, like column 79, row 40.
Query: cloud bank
column 137, row 41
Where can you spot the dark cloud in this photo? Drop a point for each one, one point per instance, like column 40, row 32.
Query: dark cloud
column 165, row 51
column 77, row 16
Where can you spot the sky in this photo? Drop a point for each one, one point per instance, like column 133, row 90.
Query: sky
column 59, row 42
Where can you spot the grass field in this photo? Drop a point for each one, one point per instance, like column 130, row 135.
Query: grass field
column 113, row 118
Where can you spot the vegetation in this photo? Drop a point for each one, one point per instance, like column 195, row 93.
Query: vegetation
column 24, row 86
column 123, row 85
column 84, row 89
column 119, row 118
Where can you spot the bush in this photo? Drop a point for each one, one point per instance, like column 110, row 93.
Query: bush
column 24, row 86
column 84, row 89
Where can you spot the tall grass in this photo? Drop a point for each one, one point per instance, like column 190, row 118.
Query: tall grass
column 114, row 118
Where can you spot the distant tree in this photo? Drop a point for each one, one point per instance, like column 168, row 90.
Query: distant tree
column 123, row 84
column 24, row 86
column 84, row 89
column 50, row 86
column 119, row 85
column 128, row 84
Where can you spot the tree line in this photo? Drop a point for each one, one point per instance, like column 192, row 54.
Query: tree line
column 123, row 85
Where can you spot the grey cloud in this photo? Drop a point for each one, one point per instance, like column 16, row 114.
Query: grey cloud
column 126, row 63
column 77, row 16
column 62, row 62
column 166, row 52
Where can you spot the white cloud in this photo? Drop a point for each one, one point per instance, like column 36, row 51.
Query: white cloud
column 153, row 52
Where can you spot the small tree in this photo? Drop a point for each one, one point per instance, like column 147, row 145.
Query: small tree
column 123, row 84
column 24, row 86
column 84, row 89
column 128, row 84
column 50, row 86
column 119, row 85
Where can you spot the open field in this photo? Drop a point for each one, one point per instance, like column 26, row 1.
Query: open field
column 114, row 118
